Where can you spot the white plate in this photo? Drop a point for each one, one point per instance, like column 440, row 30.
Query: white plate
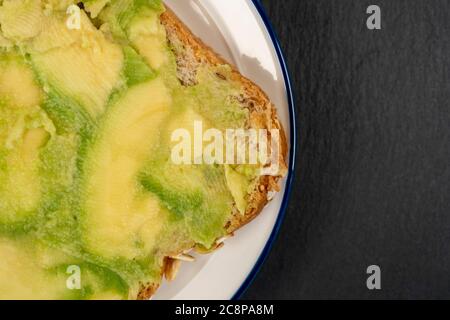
column 237, row 30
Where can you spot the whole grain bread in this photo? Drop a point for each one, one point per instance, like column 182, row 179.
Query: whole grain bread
column 191, row 53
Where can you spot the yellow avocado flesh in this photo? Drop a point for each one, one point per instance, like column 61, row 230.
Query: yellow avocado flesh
column 24, row 275
column 24, row 128
column 121, row 221
column 39, row 272
column 85, row 66
column 86, row 176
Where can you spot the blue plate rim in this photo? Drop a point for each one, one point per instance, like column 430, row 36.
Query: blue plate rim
column 293, row 148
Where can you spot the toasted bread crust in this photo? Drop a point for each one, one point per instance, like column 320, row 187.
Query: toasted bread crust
column 191, row 53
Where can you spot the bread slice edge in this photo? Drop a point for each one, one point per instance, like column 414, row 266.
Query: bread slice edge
column 190, row 53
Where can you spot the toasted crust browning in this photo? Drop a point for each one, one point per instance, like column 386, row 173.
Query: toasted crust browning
column 191, row 53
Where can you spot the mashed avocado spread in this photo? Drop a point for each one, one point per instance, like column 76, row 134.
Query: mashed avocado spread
column 86, row 181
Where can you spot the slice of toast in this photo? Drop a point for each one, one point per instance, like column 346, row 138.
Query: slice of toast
column 191, row 53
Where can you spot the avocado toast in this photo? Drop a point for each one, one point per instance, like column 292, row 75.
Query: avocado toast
column 86, row 177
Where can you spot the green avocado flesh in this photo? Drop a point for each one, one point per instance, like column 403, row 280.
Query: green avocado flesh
column 90, row 201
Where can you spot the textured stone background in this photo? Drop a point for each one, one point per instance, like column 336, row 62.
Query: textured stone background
column 372, row 184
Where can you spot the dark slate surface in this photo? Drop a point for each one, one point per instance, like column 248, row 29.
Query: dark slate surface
column 373, row 180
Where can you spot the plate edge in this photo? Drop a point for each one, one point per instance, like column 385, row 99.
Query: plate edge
column 292, row 155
